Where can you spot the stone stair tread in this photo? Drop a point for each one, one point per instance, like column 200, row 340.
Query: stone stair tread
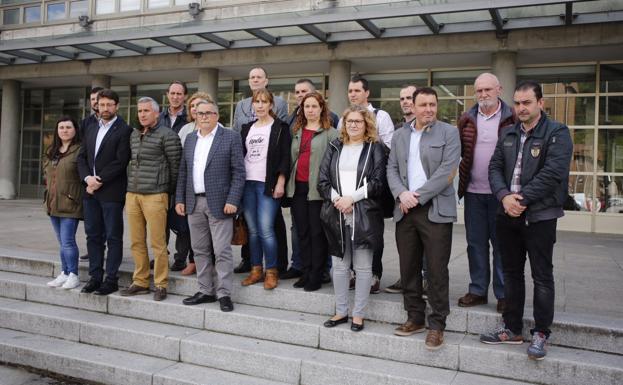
column 188, row 374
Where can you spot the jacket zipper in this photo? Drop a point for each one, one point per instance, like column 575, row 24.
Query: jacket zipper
column 339, row 188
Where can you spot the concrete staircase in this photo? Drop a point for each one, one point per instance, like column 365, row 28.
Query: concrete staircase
column 271, row 338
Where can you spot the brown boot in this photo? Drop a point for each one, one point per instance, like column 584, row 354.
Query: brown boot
column 272, row 279
column 256, row 275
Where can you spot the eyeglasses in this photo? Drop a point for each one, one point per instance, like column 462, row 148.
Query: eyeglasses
column 205, row 114
column 353, row 122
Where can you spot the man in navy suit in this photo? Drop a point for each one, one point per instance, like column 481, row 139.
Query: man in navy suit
column 209, row 190
column 102, row 164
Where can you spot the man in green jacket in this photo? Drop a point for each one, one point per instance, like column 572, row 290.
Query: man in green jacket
column 152, row 178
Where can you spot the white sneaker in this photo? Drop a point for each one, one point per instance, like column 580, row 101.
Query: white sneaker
column 72, row 282
column 58, row 281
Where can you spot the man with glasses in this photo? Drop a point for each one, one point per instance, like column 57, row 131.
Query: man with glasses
column 102, row 164
column 209, row 191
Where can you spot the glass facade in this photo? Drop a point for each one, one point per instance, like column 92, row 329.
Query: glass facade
column 588, row 98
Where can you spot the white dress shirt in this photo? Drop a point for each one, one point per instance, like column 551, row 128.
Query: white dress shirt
column 101, row 133
column 202, row 150
column 416, row 177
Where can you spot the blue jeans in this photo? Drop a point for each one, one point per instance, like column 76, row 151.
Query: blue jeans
column 65, row 229
column 259, row 212
column 480, row 212
column 104, row 218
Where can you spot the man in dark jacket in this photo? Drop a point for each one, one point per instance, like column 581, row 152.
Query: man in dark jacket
column 528, row 173
column 102, row 163
column 152, row 177
column 479, row 128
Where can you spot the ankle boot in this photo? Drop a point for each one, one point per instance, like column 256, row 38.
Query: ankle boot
column 256, row 275
column 272, row 279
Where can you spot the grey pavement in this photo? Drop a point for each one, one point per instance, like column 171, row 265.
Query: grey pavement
column 11, row 375
column 588, row 268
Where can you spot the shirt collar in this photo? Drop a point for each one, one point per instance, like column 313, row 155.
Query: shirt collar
column 107, row 125
column 497, row 111
column 213, row 133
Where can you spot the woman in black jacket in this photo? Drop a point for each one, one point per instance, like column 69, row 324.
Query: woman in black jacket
column 266, row 146
column 351, row 182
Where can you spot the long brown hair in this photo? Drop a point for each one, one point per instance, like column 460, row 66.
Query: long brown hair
column 266, row 94
column 370, row 135
column 197, row 95
column 301, row 119
column 53, row 151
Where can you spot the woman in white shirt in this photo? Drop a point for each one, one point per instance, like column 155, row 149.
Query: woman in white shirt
column 351, row 181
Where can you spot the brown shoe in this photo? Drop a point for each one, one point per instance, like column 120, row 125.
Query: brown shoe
column 190, row 269
column 160, row 293
column 501, row 305
column 272, row 279
column 256, row 275
column 434, row 339
column 469, row 300
column 134, row 290
column 409, row 328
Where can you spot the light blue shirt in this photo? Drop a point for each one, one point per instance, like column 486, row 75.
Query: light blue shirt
column 416, row 177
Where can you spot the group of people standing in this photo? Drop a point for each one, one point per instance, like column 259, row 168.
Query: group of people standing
column 340, row 176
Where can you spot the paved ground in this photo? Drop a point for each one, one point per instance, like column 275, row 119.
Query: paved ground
column 588, row 267
column 11, row 375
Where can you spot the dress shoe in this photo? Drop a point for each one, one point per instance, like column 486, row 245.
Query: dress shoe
column 409, row 328
column 91, row 286
column 330, row 323
column 243, row 267
column 226, row 304
column 271, row 280
column 256, row 275
column 300, row 283
column 151, row 264
column 190, row 269
column 107, row 288
column 84, row 258
column 312, row 285
column 199, row 298
column 356, row 327
column 375, row 288
column 469, row 300
column 326, row 277
column 160, row 293
column 501, row 305
column 134, row 290
column 396, row 288
column 434, row 339
column 291, row 273
column 178, row 265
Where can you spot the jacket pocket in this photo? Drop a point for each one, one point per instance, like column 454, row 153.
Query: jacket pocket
column 69, row 199
column 446, row 203
column 435, row 154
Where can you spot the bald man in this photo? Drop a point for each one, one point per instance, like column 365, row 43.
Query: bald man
column 479, row 128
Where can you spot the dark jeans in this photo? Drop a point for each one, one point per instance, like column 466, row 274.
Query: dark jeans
column 377, row 257
column 480, row 212
column 416, row 235
column 516, row 238
column 312, row 241
column 103, row 217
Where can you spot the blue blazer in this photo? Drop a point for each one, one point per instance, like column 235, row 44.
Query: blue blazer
column 224, row 175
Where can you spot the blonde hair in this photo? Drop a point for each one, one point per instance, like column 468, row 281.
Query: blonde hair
column 370, row 134
column 197, row 95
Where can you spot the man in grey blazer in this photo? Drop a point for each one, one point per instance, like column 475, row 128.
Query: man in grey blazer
column 209, row 190
column 421, row 167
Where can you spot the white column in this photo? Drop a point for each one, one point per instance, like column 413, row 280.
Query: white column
column 208, row 81
column 339, row 76
column 9, row 139
column 504, row 65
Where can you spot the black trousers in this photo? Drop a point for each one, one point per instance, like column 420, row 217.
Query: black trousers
column 313, row 247
column 416, row 235
column 516, row 238
column 282, row 244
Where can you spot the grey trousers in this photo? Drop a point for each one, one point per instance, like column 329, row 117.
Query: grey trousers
column 206, row 230
column 362, row 263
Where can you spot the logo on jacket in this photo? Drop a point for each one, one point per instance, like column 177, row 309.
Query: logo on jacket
column 535, row 151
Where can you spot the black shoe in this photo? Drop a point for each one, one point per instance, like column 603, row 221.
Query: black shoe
column 84, row 258
column 151, row 264
column 312, row 286
column 326, row 277
column 91, row 286
column 226, row 304
column 356, row 327
column 199, row 298
column 291, row 273
column 243, row 267
column 178, row 265
column 300, row 283
column 333, row 323
column 107, row 288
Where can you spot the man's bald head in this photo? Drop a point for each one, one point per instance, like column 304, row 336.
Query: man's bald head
column 487, row 90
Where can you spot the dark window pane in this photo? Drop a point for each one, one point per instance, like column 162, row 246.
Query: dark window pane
column 573, row 111
column 561, row 80
column 450, row 111
column 583, row 150
column 224, row 111
column 610, row 150
column 32, row 118
column 611, row 78
column 10, row 16
column 454, row 83
column 611, row 110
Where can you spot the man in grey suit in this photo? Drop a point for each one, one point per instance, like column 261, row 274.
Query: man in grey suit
column 258, row 78
column 209, row 190
column 421, row 167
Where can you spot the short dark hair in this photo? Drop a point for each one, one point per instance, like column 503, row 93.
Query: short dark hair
column 108, row 94
column 305, row 80
column 533, row 85
column 95, row 90
column 359, row 78
column 407, row 85
column 181, row 83
column 425, row 91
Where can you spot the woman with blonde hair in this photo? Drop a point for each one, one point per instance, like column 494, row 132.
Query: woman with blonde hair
column 352, row 181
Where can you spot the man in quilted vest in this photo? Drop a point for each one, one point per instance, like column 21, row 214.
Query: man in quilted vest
column 152, row 178
column 479, row 128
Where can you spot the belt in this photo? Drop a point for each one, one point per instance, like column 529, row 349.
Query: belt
column 200, row 195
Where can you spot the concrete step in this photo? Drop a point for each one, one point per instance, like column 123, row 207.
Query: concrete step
column 108, row 366
column 218, row 350
column 591, row 332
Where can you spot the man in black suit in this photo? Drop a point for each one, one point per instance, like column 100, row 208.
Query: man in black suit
column 102, row 164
